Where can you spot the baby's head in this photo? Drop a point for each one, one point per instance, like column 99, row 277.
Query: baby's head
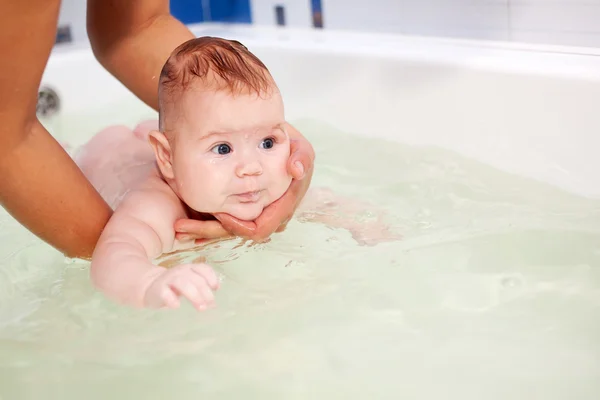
column 222, row 144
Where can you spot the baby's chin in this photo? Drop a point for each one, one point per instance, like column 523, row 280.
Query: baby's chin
column 249, row 211
column 246, row 211
column 252, row 210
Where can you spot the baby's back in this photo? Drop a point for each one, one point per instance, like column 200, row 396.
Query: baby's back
column 117, row 160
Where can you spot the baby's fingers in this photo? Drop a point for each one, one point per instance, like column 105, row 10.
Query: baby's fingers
column 208, row 274
column 205, row 291
column 164, row 298
column 185, row 287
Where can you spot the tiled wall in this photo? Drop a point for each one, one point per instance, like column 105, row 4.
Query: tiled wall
column 572, row 22
column 297, row 12
column 72, row 13
column 463, row 18
column 565, row 22
column 72, row 17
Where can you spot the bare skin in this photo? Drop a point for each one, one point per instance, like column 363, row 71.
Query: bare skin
column 126, row 171
column 225, row 153
column 38, row 176
column 41, row 186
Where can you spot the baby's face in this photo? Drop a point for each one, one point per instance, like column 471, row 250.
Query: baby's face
column 230, row 153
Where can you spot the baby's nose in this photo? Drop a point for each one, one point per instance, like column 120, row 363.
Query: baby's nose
column 249, row 169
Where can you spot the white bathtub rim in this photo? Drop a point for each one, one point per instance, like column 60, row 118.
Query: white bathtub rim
column 428, row 51
column 561, row 61
column 317, row 35
column 569, row 62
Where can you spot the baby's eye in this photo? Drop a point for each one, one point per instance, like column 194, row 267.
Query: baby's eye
column 268, row 143
column 222, row 149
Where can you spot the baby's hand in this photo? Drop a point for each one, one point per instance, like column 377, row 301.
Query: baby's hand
column 195, row 282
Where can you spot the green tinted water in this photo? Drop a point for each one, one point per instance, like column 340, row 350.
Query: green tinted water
column 493, row 292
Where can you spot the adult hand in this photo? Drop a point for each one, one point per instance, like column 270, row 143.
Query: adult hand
column 199, row 230
column 275, row 217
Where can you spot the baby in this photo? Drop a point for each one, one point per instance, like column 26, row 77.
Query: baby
column 222, row 146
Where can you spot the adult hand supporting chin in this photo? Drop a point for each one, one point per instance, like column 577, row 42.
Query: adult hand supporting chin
column 276, row 216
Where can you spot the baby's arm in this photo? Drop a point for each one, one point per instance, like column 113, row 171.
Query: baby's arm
column 364, row 221
column 141, row 229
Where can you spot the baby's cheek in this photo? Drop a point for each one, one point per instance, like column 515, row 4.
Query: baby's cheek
column 280, row 186
column 284, row 174
column 280, row 163
column 193, row 184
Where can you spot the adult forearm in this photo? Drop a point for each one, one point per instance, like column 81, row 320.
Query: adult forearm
column 45, row 191
column 136, row 57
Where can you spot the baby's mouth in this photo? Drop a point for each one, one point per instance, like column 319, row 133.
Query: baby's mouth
column 249, row 197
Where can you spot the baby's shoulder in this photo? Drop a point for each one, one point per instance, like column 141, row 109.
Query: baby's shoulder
column 154, row 195
column 156, row 205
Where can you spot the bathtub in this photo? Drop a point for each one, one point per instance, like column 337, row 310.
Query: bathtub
column 530, row 110
column 484, row 295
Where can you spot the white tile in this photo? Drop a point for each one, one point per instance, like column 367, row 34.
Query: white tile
column 557, row 38
column 438, row 15
column 482, row 19
column 561, row 17
column 555, row 2
column 361, row 14
column 72, row 13
column 297, row 13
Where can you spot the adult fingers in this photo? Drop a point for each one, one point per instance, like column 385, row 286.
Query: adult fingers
column 236, row 226
column 301, row 158
column 188, row 229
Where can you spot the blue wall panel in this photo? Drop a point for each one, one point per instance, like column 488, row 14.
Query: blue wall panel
column 187, row 11
column 229, row 11
column 237, row 11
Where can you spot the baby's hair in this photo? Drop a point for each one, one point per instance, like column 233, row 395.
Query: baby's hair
column 219, row 63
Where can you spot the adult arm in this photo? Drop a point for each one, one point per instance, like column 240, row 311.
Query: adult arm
column 40, row 185
column 133, row 39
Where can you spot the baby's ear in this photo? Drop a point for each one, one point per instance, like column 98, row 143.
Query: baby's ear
column 162, row 151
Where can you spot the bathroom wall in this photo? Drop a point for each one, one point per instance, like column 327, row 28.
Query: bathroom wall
column 564, row 22
column 72, row 18
column 71, row 21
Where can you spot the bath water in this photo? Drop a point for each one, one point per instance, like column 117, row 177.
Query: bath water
column 488, row 288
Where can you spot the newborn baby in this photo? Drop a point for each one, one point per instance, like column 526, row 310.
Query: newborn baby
column 221, row 147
